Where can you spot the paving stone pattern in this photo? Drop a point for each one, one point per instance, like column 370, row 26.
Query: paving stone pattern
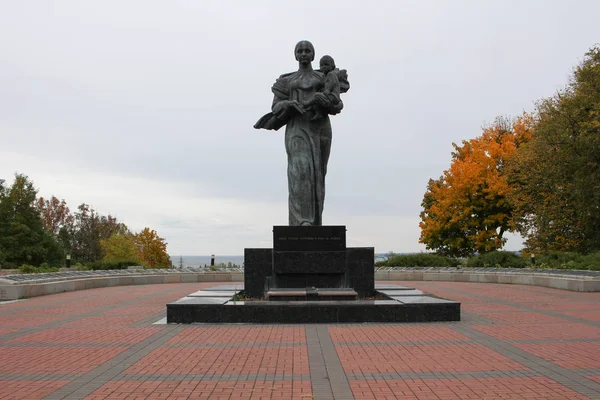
column 514, row 342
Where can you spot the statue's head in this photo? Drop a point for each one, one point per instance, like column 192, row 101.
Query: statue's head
column 304, row 52
column 326, row 64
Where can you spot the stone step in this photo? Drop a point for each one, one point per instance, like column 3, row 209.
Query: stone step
column 311, row 294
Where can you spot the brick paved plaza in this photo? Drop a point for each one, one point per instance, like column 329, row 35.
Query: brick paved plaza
column 514, row 342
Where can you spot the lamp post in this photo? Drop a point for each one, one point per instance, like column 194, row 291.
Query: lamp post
column 68, row 261
column 212, row 260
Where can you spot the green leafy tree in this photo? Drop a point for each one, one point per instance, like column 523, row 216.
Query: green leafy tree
column 556, row 176
column 89, row 229
column 57, row 220
column 23, row 239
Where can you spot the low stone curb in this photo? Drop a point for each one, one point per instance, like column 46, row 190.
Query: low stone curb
column 570, row 281
column 19, row 290
column 14, row 290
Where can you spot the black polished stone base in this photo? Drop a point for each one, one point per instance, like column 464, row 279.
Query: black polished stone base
column 402, row 305
column 359, row 272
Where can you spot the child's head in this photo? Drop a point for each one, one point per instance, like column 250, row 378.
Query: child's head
column 327, row 64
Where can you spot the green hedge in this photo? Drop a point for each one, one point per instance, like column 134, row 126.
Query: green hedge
column 558, row 260
column 498, row 259
column 102, row 265
column 30, row 269
column 419, row 260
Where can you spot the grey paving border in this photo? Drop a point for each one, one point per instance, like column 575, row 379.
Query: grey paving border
column 565, row 377
column 327, row 375
column 86, row 384
column 588, row 371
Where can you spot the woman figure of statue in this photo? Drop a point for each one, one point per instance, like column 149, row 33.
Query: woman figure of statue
column 307, row 133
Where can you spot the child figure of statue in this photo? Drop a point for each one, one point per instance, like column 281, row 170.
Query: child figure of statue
column 331, row 90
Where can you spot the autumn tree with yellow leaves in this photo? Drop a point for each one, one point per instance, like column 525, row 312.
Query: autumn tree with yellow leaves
column 145, row 247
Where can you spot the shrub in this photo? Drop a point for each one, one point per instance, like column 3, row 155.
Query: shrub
column 102, row 265
column 498, row 259
column 420, row 260
column 30, row 269
column 9, row 265
column 27, row 269
column 564, row 260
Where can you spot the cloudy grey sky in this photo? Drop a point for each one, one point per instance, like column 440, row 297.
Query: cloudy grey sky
column 144, row 109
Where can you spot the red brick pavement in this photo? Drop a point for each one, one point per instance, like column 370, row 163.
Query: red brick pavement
column 567, row 355
column 551, row 331
column 240, row 334
column 28, row 389
column 214, row 390
column 88, row 335
column 54, row 360
column 423, row 358
column 461, row 389
column 393, row 333
column 223, row 360
column 101, row 343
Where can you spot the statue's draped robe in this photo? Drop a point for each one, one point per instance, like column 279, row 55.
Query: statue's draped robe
column 307, row 144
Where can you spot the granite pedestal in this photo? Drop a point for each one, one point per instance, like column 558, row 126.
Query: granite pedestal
column 310, row 276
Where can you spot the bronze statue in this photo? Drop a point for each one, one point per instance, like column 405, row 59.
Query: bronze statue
column 303, row 102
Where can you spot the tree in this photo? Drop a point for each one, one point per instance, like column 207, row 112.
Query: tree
column 120, row 247
column 90, row 229
column 55, row 214
column 57, row 220
column 557, row 175
column 152, row 249
column 468, row 209
column 23, row 239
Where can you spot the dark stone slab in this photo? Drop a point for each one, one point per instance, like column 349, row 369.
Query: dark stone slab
column 178, row 313
column 311, row 294
column 360, row 274
column 308, row 280
column 190, row 310
column 309, row 238
column 309, row 262
column 258, row 265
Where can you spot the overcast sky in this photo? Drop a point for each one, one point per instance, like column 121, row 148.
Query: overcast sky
column 144, row 109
